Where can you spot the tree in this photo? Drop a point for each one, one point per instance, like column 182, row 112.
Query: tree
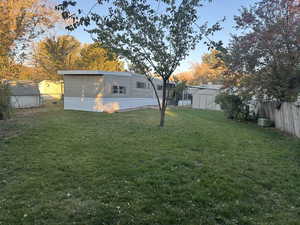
column 209, row 70
column 95, row 57
column 30, row 73
column 21, row 22
column 54, row 54
column 134, row 68
column 186, row 77
column 263, row 60
column 154, row 37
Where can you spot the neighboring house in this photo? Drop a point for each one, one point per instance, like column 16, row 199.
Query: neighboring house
column 98, row 91
column 204, row 96
column 24, row 94
column 51, row 90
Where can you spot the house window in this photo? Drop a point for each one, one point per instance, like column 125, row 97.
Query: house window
column 122, row 90
column 118, row 90
column 159, row 87
column 141, row 85
column 115, row 89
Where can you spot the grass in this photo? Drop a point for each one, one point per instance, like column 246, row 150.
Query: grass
column 92, row 168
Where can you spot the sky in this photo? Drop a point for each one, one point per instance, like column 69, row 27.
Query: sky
column 210, row 12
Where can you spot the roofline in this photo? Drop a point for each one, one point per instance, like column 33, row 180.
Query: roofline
column 201, row 87
column 100, row 73
column 209, row 88
column 14, row 95
column 92, row 72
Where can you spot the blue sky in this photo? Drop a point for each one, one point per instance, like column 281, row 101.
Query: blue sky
column 211, row 12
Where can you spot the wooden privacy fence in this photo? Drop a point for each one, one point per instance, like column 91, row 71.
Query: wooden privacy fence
column 287, row 118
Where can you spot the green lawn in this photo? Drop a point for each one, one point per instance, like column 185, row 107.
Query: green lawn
column 92, row 168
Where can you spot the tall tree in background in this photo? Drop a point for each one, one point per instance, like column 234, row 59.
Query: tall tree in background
column 155, row 36
column 186, row 77
column 209, row 70
column 95, row 57
column 21, row 22
column 263, row 60
column 54, row 54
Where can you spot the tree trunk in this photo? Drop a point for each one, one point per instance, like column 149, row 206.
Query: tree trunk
column 164, row 104
column 155, row 92
column 162, row 117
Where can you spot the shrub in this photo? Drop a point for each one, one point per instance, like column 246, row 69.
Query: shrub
column 233, row 106
column 5, row 107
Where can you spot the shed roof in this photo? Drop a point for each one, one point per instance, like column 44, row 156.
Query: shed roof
column 208, row 86
column 207, row 91
column 23, row 88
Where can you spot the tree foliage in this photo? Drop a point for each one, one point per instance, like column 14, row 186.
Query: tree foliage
column 56, row 53
column 155, row 36
column 134, row 68
column 263, row 60
column 186, row 77
column 21, row 22
column 65, row 53
column 95, row 57
column 210, row 69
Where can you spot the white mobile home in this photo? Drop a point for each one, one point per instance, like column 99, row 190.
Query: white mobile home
column 90, row 90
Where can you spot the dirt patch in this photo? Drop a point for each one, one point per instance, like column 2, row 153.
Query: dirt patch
column 22, row 119
column 13, row 127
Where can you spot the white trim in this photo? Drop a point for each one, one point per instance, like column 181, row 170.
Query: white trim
column 207, row 86
column 92, row 72
column 102, row 73
column 106, row 104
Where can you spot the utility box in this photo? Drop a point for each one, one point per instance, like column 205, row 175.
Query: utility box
column 264, row 122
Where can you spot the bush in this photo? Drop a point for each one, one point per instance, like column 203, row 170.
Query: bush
column 5, row 107
column 233, row 106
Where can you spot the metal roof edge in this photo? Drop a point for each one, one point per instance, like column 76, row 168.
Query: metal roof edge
column 92, row 72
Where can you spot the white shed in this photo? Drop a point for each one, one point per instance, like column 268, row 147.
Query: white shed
column 24, row 94
column 204, row 97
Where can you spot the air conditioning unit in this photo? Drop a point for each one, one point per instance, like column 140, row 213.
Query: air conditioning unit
column 264, row 122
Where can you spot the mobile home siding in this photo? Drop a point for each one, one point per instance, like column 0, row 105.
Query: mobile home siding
column 146, row 92
column 110, row 81
column 83, row 86
column 100, row 105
